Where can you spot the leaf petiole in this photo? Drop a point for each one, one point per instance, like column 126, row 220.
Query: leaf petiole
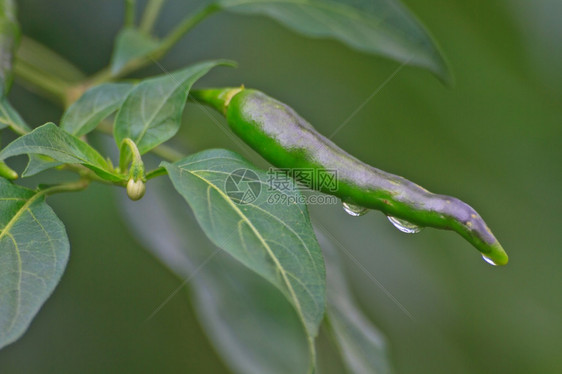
column 156, row 173
column 150, row 15
column 130, row 12
column 79, row 185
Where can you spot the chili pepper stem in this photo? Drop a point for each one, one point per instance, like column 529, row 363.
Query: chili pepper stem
column 218, row 98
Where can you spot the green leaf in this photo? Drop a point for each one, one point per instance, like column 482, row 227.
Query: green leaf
column 151, row 114
column 39, row 163
column 93, row 106
column 362, row 345
column 9, row 117
column 251, row 324
column 250, row 321
column 130, row 44
column 382, row 27
column 50, row 140
column 33, row 254
column 274, row 240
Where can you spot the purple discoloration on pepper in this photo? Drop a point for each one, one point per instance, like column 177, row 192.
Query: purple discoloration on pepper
column 286, row 140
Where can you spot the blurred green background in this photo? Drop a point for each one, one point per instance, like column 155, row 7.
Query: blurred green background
column 493, row 140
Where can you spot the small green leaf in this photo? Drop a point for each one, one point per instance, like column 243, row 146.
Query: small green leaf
column 38, row 163
column 50, row 140
column 151, row 113
column 93, row 106
column 274, row 240
column 9, row 117
column 251, row 324
column 130, row 44
column 383, row 27
column 33, row 254
column 362, row 345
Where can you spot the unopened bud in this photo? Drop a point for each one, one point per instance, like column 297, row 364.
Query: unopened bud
column 135, row 189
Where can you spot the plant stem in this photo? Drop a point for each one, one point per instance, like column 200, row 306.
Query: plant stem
column 46, row 60
column 47, row 73
column 46, row 84
column 166, row 44
column 150, row 15
column 180, row 30
column 129, row 13
column 67, row 187
column 44, row 71
column 156, row 173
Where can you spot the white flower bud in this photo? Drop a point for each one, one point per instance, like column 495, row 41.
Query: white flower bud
column 135, row 189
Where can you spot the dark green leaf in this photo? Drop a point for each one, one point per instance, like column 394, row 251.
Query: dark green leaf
column 151, row 114
column 362, row 345
column 383, row 27
column 33, row 254
column 252, row 325
column 130, row 44
column 250, row 321
column 93, row 106
column 50, row 140
column 9, row 117
column 274, row 240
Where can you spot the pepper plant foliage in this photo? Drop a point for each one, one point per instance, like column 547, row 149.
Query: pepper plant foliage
column 275, row 275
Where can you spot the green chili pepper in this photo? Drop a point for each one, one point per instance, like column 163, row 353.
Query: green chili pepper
column 286, row 140
column 9, row 38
